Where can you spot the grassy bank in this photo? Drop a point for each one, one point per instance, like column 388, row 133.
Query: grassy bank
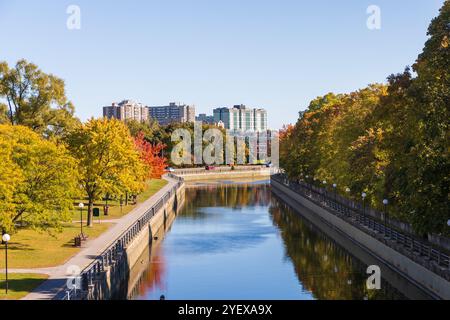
column 115, row 210
column 19, row 285
column 33, row 249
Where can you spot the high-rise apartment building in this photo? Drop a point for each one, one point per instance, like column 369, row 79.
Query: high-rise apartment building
column 174, row 112
column 126, row 110
column 241, row 118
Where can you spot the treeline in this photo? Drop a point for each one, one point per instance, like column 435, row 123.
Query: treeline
column 388, row 140
column 49, row 158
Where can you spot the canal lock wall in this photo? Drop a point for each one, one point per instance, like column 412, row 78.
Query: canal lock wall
column 410, row 269
column 112, row 282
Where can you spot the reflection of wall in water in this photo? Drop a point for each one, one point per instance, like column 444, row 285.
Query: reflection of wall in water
column 147, row 272
column 230, row 195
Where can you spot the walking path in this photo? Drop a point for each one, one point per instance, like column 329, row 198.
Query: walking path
column 54, row 286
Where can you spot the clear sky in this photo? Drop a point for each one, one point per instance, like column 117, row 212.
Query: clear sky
column 276, row 55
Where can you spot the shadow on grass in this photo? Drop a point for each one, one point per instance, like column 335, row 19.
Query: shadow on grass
column 19, row 287
column 18, row 246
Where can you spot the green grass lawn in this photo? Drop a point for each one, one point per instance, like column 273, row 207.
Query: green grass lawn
column 33, row 249
column 19, row 285
column 115, row 211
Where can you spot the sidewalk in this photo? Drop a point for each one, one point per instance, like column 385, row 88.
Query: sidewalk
column 56, row 283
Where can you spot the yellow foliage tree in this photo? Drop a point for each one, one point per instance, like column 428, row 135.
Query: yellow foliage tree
column 108, row 162
column 37, row 180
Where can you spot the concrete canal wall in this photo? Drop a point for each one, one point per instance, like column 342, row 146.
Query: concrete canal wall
column 413, row 271
column 158, row 222
column 141, row 264
column 111, row 276
column 226, row 175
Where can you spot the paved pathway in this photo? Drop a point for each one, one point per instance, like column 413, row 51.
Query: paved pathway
column 54, row 286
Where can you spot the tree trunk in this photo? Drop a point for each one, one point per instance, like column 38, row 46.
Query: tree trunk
column 90, row 219
column 11, row 116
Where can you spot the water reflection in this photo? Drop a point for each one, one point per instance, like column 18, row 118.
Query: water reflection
column 324, row 268
column 240, row 242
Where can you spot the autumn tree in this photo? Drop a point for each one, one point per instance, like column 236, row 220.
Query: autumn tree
column 37, row 180
column 151, row 156
column 427, row 161
column 390, row 141
column 36, row 99
column 108, row 162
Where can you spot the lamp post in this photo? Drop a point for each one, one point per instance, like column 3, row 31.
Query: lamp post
column 6, row 237
column 347, row 190
column 324, row 182
column 385, row 203
column 308, row 185
column 364, row 195
column 334, row 188
column 81, row 206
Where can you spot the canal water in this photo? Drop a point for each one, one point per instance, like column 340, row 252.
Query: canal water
column 238, row 241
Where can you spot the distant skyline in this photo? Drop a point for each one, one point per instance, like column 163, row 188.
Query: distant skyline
column 276, row 55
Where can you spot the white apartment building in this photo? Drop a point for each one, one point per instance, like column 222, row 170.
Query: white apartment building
column 127, row 110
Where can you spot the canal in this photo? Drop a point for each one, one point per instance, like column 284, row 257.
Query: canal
column 238, row 241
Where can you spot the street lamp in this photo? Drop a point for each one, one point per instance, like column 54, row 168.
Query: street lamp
column 324, row 191
column 81, row 206
column 347, row 201
column 385, row 203
column 6, row 237
column 364, row 195
column 335, row 196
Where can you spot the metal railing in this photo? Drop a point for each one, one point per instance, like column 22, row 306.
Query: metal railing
column 115, row 251
column 356, row 216
column 218, row 169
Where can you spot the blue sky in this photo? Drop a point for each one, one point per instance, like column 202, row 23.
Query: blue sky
column 272, row 54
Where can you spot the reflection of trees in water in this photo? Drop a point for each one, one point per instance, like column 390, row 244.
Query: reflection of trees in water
column 323, row 268
column 234, row 196
column 152, row 278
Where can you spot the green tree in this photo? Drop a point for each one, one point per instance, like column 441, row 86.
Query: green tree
column 37, row 180
column 429, row 166
column 108, row 162
column 153, row 132
column 36, row 99
column 391, row 141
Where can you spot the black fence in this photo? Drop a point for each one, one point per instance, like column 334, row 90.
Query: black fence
column 116, row 250
column 187, row 171
column 356, row 214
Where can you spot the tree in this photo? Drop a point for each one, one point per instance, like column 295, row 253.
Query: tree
column 108, row 162
column 37, row 180
column 428, row 188
column 4, row 114
column 36, row 99
column 151, row 156
column 391, row 141
column 152, row 131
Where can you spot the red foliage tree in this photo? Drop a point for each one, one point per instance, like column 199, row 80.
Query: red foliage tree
column 151, row 156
